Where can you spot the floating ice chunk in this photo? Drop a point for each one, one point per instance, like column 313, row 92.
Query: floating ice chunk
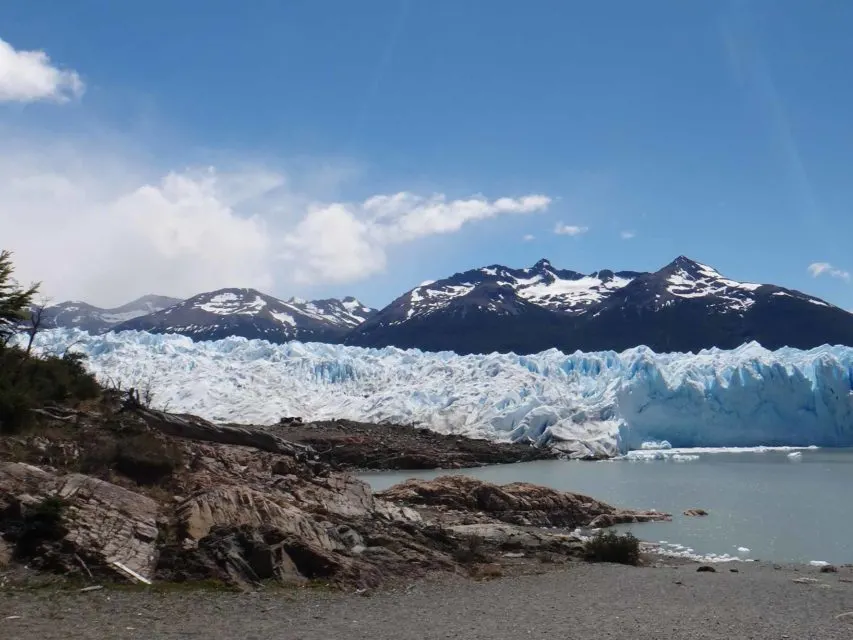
column 683, row 457
column 649, row 455
column 679, row 551
column 653, row 444
column 743, row 550
column 818, row 563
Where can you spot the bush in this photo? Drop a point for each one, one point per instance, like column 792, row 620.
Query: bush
column 28, row 382
column 42, row 523
column 612, row 547
column 146, row 459
column 15, row 409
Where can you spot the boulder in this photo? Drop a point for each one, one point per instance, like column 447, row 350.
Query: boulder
column 695, row 512
column 337, row 495
column 233, row 506
column 96, row 523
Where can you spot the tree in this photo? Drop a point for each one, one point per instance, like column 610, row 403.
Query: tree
column 15, row 301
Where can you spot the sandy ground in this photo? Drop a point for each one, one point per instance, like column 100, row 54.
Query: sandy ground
column 577, row 601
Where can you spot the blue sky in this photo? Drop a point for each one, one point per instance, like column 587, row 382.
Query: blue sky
column 182, row 146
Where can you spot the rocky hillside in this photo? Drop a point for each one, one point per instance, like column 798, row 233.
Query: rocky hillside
column 108, row 492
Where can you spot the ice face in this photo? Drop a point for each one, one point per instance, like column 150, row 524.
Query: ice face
column 584, row 403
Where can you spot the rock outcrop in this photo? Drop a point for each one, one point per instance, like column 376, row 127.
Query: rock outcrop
column 242, row 505
column 519, row 503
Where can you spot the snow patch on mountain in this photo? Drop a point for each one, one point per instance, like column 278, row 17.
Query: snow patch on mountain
column 229, row 303
column 424, row 301
column 585, row 403
column 556, row 292
column 695, row 280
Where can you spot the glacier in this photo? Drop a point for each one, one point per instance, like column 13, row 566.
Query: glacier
column 584, row 404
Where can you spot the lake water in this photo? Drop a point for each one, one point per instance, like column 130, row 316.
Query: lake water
column 782, row 510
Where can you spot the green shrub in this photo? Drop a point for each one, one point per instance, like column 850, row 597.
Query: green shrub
column 29, row 382
column 15, row 409
column 613, row 547
column 98, row 454
column 39, row 524
column 146, row 459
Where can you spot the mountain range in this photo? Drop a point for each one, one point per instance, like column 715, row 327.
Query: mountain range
column 251, row 314
column 685, row 306
column 92, row 319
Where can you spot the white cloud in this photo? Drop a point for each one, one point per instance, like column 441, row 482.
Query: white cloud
column 29, row 76
column 628, row 235
column 102, row 228
column 569, row 229
column 344, row 242
column 818, row 269
column 108, row 241
column 528, row 237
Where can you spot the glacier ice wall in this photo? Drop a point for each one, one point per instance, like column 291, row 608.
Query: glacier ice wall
column 584, row 403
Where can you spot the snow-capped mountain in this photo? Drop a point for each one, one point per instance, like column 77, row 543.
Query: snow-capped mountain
column 685, row 306
column 251, row 314
column 80, row 315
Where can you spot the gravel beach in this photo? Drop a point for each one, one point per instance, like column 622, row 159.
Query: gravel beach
column 576, row 601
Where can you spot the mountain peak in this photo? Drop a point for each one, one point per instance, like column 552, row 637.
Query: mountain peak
column 542, row 264
column 684, row 262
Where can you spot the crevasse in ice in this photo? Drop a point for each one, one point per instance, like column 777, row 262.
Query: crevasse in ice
column 583, row 403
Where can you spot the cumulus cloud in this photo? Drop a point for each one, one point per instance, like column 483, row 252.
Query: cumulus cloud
column 102, row 228
column 817, row 269
column 109, row 240
column 628, row 235
column 342, row 242
column 528, row 237
column 562, row 229
column 29, row 76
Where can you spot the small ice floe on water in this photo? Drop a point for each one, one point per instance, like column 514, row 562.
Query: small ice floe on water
column 650, row 455
column 818, row 563
column 795, row 455
column 655, row 444
column 675, row 550
column 744, row 551
column 683, row 457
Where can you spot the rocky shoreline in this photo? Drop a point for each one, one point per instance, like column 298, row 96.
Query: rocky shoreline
column 350, row 445
column 124, row 493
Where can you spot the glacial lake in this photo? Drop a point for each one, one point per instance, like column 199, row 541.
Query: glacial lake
column 780, row 509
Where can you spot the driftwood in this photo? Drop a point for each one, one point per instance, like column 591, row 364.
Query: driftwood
column 195, row 428
column 69, row 417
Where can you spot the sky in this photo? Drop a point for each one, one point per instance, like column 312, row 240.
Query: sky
column 321, row 148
